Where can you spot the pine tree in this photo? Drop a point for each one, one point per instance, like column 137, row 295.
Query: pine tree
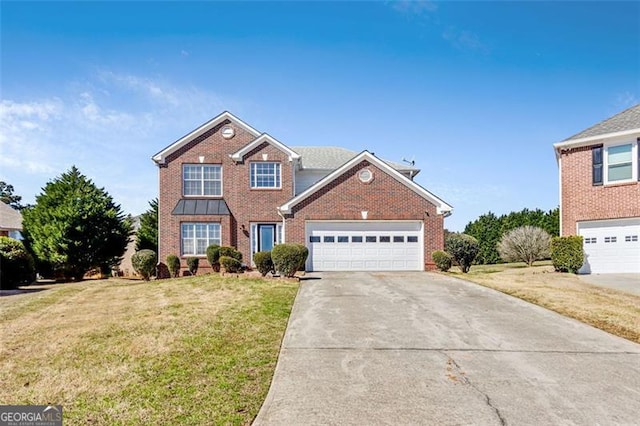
column 147, row 235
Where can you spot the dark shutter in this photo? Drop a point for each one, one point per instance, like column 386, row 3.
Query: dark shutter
column 596, row 156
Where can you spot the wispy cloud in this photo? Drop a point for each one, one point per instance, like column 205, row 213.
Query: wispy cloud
column 465, row 40
column 415, row 7
column 108, row 125
column 625, row 100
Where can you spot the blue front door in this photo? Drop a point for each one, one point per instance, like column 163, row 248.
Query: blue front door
column 266, row 237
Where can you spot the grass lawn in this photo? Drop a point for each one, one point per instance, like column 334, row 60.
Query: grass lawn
column 194, row 350
column 613, row 311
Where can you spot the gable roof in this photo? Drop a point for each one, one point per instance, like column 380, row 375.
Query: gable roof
column 10, row 218
column 442, row 207
column 160, row 157
column 624, row 123
column 239, row 155
column 332, row 157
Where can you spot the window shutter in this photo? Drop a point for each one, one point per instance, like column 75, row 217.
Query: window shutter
column 596, row 156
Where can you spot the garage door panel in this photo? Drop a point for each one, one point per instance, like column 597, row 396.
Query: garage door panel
column 611, row 246
column 384, row 246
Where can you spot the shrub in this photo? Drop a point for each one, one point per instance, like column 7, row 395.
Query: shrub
column 567, row 253
column 173, row 263
column 442, row 260
column 231, row 252
column 230, row 264
column 263, row 262
column 289, row 258
column 16, row 264
column 463, row 249
column 524, row 244
column 144, row 262
column 213, row 257
column 192, row 264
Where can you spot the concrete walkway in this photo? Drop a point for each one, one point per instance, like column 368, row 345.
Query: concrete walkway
column 419, row 348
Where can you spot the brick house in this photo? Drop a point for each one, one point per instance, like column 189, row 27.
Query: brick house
column 227, row 183
column 600, row 192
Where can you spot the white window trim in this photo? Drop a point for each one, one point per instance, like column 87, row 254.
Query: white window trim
column 182, row 252
column 251, row 175
column 634, row 162
column 253, row 235
column 202, row 181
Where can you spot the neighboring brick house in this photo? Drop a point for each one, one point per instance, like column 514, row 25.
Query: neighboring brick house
column 600, row 192
column 227, row 183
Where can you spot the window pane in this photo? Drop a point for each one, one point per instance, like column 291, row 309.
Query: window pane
column 619, row 154
column 328, row 239
column 398, row 239
column 385, row 239
column 212, row 172
column 212, row 188
column 412, row 239
column 343, row 239
column 356, row 239
column 265, row 175
column 620, row 172
column 214, row 234
column 192, row 172
column 192, row 187
column 371, row 239
column 314, row 239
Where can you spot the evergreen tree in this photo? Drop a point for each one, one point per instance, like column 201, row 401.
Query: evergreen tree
column 7, row 196
column 76, row 226
column 147, row 235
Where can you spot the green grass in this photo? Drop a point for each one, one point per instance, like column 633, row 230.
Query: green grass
column 197, row 350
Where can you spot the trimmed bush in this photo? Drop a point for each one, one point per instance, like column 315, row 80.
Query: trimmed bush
column 289, row 258
column 442, row 259
column 213, row 256
column 463, row 249
column 173, row 263
column 263, row 262
column 230, row 264
column 231, row 252
column 567, row 253
column 192, row 264
column 144, row 262
column 16, row 264
column 524, row 244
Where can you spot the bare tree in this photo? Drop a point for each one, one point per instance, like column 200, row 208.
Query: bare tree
column 525, row 244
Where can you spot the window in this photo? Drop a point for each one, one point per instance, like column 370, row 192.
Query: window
column 412, row 239
column 630, row 238
column 196, row 237
column 385, row 239
column 265, row 175
column 590, row 240
column 343, row 239
column 329, row 239
column 620, row 163
column 610, row 239
column 202, row 180
column 371, row 239
column 314, row 239
column 356, row 239
column 398, row 239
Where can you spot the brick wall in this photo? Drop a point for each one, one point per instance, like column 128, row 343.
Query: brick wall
column 582, row 201
column 384, row 198
column 246, row 205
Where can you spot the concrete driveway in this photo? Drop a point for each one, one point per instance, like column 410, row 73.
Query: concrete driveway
column 420, row 348
column 623, row 282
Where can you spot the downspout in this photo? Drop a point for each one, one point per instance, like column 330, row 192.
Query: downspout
column 284, row 222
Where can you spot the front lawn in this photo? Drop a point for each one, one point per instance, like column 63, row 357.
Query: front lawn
column 611, row 310
column 196, row 350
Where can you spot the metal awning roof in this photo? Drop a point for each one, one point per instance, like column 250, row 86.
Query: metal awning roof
column 200, row 207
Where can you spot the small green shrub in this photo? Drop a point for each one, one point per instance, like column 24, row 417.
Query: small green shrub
column 463, row 249
column 173, row 263
column 16, row 264
column 192, row 264
column 144, row 262
column 230, row 264
column 289, row 258
column 442, row 259
column 263, row 262
column 231, row 252
column 567, row 254
column 213, row 257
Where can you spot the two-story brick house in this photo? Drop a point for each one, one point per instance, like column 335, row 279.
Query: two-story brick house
column 227, row 183
column 600, row 192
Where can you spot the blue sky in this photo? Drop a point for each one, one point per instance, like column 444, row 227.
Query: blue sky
column 475, row 92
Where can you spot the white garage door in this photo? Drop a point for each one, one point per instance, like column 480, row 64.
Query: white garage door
column 611, row 246
column 364, row 246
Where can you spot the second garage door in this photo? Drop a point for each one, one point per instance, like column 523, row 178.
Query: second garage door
column 365, row 246
column 611, row 246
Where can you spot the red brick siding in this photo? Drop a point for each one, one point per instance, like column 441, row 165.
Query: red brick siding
column 582, row 201
column 384, row 199
column 246, row 205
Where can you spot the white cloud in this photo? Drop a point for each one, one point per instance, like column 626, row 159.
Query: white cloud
column 414, row 7
column 464, row 40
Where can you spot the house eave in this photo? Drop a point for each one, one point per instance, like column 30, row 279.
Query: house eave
column 574, row 143
column 264, row 137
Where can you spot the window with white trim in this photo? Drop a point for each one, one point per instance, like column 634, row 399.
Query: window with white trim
column 621, row 163
column 202, row 180
column 265, row 175
column 196, row 237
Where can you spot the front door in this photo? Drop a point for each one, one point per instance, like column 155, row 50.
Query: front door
column 266, row 237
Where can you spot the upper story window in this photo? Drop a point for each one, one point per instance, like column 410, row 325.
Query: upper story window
column 615, row 163
column 202, row 180
column 265, row 175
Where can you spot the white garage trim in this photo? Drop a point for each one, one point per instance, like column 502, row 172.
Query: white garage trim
column 382, row 245
column 611, row 246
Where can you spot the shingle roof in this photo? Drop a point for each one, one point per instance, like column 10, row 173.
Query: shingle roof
column 332, row 157
column 626, row 120
column 10, row 219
